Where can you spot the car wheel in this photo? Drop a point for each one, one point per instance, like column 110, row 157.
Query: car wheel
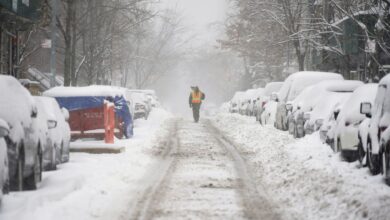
column 31, row 182
column 291, row 128
column 334, row 145
column 338, row 146
column 53, row 165
column 16, row 181
column 295, row 133
column 6, row 187
column 361, row 153
column 385, row 166
column 372, row 160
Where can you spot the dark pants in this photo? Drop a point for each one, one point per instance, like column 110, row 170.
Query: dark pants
column 195, row 111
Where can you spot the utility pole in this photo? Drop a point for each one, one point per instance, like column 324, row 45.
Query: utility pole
column 53, row 60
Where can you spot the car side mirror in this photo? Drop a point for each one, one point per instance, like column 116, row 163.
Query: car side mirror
column 336, row 114
column 274, row 97
column 51, row 124
column 65, row 112
column 365, row 109
column 4, row 128
column 34, row 112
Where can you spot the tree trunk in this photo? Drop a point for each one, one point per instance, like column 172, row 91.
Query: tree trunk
column 68, row 41
column 300, row 56
column 74, row 44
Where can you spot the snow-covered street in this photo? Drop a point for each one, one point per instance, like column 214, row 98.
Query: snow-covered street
column 226, row 167
column 204, row 181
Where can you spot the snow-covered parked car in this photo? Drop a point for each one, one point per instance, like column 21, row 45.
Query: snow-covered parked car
column 254, row 96
column 292, row 87
column 349, row 119
column 151, row 96
column 302, row 104
column 4, row 176
column 269, row 89
column 328, row 128
column 235, row 102
column 309, row 98
column 46, row 121
column 269, row 113
column 18, row 109
column 140, row 105
column 335, row 95
column 377, row 129
column 57, row 150
column 245, row 101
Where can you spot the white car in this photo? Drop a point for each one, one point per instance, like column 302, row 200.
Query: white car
column 140, row 105
column 46, row 121
column 292, row 87
column 18, row 109
column 58, row 133
column 378, row 134
column 349, row 119
column 150, row 96
column 269, row 113
column 4, row 176
column 334, row 96
column 254, row 96
column 246, row 101
column 235, row 102
column 269, row 89
column 306, row 101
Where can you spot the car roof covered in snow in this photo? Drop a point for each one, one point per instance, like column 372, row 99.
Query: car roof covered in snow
column 253, row 93
column 351, row 109
column 311, row 95
column 344, row 85
column 272, row 87
column 237, row 96
column 94, row 90
column 297, row 82
column 138, row 97
column 14, row 96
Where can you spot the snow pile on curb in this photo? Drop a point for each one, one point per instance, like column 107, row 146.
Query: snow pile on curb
column 304, row 177
column 91, row 186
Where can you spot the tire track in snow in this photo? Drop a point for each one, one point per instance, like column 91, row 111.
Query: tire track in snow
column 256, row 202
column 155, row 178
column 201, row 176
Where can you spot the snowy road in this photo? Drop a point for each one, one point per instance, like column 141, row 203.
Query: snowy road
column 226, row 167
column 206, row 179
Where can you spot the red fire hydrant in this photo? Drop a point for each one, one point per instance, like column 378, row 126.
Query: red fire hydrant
column 109, row 122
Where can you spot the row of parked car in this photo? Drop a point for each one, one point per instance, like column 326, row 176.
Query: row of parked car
column 351, row 117
column 34, row 136
column 142, row 102
column 35, row 131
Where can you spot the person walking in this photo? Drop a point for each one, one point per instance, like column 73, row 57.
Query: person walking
column 195, row 100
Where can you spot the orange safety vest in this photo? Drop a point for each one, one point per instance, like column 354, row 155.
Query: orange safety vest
column 196, row 97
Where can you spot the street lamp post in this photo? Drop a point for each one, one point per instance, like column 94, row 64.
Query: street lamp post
column 53, row 66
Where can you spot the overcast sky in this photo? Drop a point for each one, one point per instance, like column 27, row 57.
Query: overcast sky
column 200, row 17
